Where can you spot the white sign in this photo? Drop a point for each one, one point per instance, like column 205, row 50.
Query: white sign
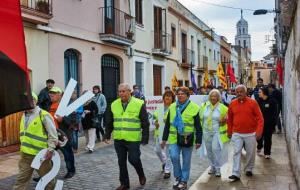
column 63, row 108
column 36, row 164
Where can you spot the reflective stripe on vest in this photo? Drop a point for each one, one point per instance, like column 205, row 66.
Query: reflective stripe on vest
column 222, row 129
column 33, row 138
column 188, row 119
column 127, row 124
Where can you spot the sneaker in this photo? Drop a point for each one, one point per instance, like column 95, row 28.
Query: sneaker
column 142, row 180
column 86, row 148
column 267, row 156
column 182, row 186
column 234, row 178
column 91, row 150
column 167, row 175
column 211, row 171
column 249, row 173
column 258, row 151
column 218, row 174
column 176, row 183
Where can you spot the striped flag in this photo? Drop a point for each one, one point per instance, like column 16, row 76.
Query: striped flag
column 221, row 76
column 174, row 81
column 206, row 79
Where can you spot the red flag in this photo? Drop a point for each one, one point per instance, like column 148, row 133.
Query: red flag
column 14, row 80
column 279, row 70
column 230, row 73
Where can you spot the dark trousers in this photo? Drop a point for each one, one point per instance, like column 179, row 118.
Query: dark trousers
column 279, row 123
column 99, row 127
column 132, row 150
column 266, row 139
column 69, row 156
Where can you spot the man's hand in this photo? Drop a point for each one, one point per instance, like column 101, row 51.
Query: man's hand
column 197, row 146
column 258, row 136
column 107, row 141
column 48, row 155
column 156, row 124
column 223, row 120
column 163, row 144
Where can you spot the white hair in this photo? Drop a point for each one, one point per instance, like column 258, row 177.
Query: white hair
column 215, row 91
column 241, row 86
column 124, row 85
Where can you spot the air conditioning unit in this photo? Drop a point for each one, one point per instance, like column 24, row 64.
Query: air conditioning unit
column 129, row 51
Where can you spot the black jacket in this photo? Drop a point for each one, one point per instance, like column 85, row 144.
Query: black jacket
column 269, row 110
column 87, row 122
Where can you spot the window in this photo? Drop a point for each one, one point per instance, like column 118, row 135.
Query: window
column 180, row 83
column 240, row 31
column 243, row 30
column 158, row 35
column 139, row 11
column 184, row 47
column 187, row 83
column 139, row 75
column 214, row 54
column 173, row 30
column 239, row 43
column 245, row 44
column 258, row 74
column 192, row 42
column 71, row 67
column 199, row 52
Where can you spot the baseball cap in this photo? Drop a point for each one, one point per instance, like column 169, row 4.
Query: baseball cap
column 55, row 89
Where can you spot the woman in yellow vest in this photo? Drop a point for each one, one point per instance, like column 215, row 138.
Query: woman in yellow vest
column 181, row 128
column 37, row 132
column 159, row 120
column 213, row 119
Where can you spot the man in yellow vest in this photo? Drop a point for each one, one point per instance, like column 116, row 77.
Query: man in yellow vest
column 37, row 132
column 128, row 120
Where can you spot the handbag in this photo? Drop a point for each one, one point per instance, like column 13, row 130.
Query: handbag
column 186, row 140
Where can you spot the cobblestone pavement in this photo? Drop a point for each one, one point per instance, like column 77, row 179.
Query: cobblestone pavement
column 99, row 171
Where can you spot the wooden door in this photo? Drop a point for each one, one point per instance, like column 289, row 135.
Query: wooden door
column 157, row 80
column 157, row 27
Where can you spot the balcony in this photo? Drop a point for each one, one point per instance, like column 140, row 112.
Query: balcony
column 36, row 11
column 203, row 67
column 162, row 44
column 188, row 58
column 117, row 27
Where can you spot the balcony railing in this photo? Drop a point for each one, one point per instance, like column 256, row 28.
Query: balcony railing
column 41, row 6
column 36, row 11
column 188, row 58
column 117, row 26
column 162, row 43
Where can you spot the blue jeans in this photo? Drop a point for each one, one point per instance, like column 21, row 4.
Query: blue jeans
column 181, row 172
column 69, row 157
column 75, row 139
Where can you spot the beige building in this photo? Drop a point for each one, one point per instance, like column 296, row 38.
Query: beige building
column 261, row 70
column 106, row 42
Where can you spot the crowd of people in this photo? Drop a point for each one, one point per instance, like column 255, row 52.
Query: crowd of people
column 244, row 117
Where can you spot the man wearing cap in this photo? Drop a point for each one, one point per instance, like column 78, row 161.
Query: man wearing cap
column 37, row 132
column 63, row 123
column 44, row 101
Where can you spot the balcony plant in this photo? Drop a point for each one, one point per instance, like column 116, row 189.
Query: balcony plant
column 43, row 6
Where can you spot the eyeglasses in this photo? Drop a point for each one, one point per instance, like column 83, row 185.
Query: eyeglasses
column 180, row 94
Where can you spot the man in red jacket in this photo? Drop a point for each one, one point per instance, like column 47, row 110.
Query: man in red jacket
column 245, row 126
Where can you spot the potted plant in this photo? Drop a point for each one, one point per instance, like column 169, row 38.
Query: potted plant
column 42, row 6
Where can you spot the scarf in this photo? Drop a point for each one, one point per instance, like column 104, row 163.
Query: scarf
column 178, row 122
column 209, row 118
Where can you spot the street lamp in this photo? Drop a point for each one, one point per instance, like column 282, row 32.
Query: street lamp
column 265, row 11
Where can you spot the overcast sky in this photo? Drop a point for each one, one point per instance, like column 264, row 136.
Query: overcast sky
column 224, row 20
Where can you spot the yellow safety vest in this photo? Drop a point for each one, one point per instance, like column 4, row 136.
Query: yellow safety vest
column 33, row 138
column 187, row 117
column 223, row 128
column 127, row 124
